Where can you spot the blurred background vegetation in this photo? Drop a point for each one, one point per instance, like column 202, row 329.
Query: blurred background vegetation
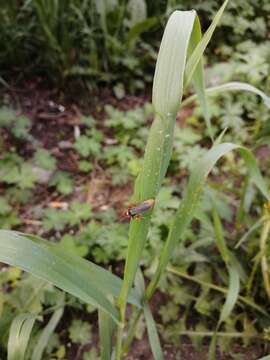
column 66, row 171
column 110, row 41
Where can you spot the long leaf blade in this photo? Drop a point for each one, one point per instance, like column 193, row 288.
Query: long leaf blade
column 106, row 328
column 191, row 199
column 46, row 334
column 200, row 48
column 19, row 335
column 170, row 67
column 167, row 90
column 103, row 279
column 198, row 76
column 232, row 295
column 19, row 251
column 229, row 86
column 152, row 334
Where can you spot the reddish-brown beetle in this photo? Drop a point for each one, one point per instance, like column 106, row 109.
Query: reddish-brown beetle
column 135, row 211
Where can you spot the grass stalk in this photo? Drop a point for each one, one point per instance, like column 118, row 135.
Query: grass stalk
column 167, row 90
column 221, row 334
column 264, row 263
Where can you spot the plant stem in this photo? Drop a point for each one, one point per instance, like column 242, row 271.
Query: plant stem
column 120, row 332
column 119, row 337
column 264, row 264
column 222, row 334
column 131, row 332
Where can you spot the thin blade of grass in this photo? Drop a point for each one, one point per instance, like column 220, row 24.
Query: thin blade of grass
column 106, row 328
column 227, row 308
column 191, row 198
column 220, row 241
column 19, row 336
column 150, row 322
column 233, row 292
column 229, row 86
column 254, row 227
column 212, row 347
column 223, row 290
column 46, row 334
column 200, row 48
column 198, row 76
column 22, row 252
column 152, row 333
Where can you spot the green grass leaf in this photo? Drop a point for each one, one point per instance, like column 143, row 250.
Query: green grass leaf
column 19, row 336
column 167, row 90
column 85, row 280
column 198, row 76
column 46, row 334
column 219, row 237
column 191, row 199
column 231, row 298
column 106, row 328
column 200, row 48
column 152, row 333
column 229, row 86
column 150, row 322
column 170, row 67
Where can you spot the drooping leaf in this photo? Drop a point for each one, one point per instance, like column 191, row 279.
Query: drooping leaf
column 230, row 86
column 191, row 198
column 72, row 274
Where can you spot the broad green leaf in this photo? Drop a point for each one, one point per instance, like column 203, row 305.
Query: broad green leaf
column 19, row 336
column 102, row 278
column 229, row 86
column 191, row 198
column 267, row 357
column 231, row 298
column 46, row 334
column 69, row 273
column 170, row 67
column 200, row 48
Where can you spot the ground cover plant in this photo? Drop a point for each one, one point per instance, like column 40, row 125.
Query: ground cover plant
column 112, row 41
column 85, row 232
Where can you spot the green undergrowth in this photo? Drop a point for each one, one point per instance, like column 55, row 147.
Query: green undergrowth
column 216, row 289
column 112, row 42
column 195, row 291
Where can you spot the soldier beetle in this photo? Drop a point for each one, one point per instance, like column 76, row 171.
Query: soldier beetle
column 135, row 211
